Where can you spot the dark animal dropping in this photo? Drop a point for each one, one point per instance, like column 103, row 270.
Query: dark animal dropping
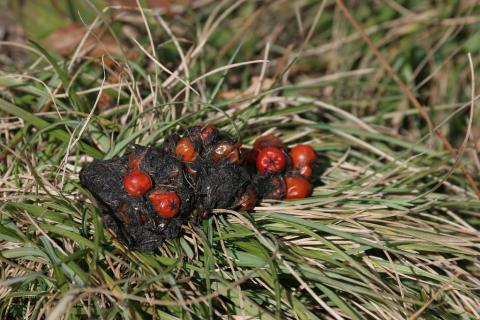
column 150, row 192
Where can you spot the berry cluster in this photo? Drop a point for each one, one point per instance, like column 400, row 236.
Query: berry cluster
column 279, row 172
column 150, row 192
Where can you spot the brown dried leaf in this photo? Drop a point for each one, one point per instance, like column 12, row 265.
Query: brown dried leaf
column 154, row 4
column 12, row 31
column 65, row 40
column 250, row 91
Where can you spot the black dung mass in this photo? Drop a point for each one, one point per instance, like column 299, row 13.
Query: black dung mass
column 214, row 179
column 205, row 168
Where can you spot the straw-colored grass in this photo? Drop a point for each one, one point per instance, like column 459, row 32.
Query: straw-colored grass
column 377, row 89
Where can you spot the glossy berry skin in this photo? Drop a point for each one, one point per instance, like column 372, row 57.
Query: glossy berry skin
column 248, row 200
column 305, row 171
column 137, row 183
column 165, row 203
column 298, row 187
column 207, row 132
column 271, row 159
column 185, row 150
column 224, row 150
column 302, row 155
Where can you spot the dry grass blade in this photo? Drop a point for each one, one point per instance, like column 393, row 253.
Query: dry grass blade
column 391, row 230
column 407, row 93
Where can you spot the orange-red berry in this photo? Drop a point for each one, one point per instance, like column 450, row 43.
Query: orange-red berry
column 225, row 150
column 298, row 187
column 206, row 132
column 305, row 171
column 185, row 150
column 137, row 183
column 165, row 203
column 135, row 162
column 302, row 156
column 271, row 159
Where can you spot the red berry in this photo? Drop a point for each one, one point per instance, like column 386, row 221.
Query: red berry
column 268, row 140
column 135, row 162
column 305, row 171
column 224, row 150
column 165, row 203
column 185, row 150
column 302, row 155
column 248, row 200
column 206, row 132
column 125, row 218
column 298, row 187
column 136, row 183
column 135, row 159
column 271, row 159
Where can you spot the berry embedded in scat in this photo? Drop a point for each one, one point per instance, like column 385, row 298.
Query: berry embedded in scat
column 165, row 203
column 226, row 150
column 136, row 183
column 189, row 175
column 123, row 207
column 135, row 161
column 270, row 186
column 204, row 214
column 271, row 160
column 207, row 132
column 268, row 140
column 122, row 213
column 197, row 215
column 125, row 218
column 302, row 157
column 247, row 200
column 297, row 187
column 135, row 157
column 185, row 150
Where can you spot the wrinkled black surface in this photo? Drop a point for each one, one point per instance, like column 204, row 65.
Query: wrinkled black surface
column 201, row 185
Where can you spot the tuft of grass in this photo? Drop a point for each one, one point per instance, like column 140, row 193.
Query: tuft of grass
column 391, row 233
